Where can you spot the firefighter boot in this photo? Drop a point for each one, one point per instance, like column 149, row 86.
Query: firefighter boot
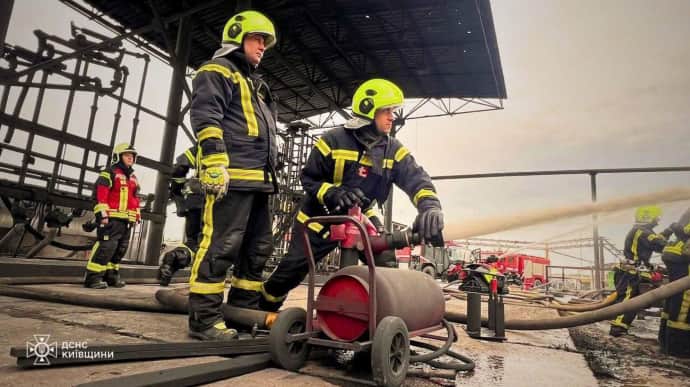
column 94, row 281
column 218, row 332
column 165, row 273
column 112, row 278
column 617, row 331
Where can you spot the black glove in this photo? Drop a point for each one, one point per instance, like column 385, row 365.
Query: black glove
column 377, row 224
column 342, row 198
column 669, row 231
column 429, row 225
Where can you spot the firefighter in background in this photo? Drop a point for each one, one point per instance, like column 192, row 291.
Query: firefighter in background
column 674, row 329
column 348, row 166
column 117, row 209
column 186, row 193
column 234, row 116
column 640, row 242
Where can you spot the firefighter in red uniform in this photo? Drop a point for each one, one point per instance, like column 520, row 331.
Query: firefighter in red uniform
column 355, row 164
column 116, row 210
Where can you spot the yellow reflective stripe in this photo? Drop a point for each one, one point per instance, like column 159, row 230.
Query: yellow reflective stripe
column 675, row 248
column 322, row 191
column 302, row 217
column 210, row 132
column 245, row 284
column 323, row 147
column 220, row 325
column 118, row 214
column 100, row 207
column 652, row 237
column 112, row 266
column 247, row 107
column 106, row 175
column 423, row 193
column 206, row 232
column 664, row 315
column 216, row 68
column 388, row 163
column 91, row 265
column 678, row 325
column 371, row 212
column 269, row 297
column 401, row 153
column 190, row 158
column 207, row 288
column 338, row 171
column 179, row 180
column 345, row 154
column 365, row 160
column 635, row 241
column 686, row 229
column 247, row 174
column 215, row 159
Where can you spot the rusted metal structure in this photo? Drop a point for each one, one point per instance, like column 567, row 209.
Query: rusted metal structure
column 442, row 53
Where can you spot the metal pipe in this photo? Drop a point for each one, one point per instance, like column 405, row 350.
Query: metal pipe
column 182, row 50
column 595, row 234
column 563, row 172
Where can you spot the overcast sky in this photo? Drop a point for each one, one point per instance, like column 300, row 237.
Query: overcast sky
column 591, row 84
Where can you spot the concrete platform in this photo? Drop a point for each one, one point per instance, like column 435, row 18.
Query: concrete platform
column 527, row 359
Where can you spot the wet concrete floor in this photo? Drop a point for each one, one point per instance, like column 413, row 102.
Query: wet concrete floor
column 537, row 358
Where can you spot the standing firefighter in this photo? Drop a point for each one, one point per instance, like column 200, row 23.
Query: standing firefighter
column 116, row 210
column 674, row 329
column 350, row 165
column 234, row 116
column 640, row 242
column 189, row 202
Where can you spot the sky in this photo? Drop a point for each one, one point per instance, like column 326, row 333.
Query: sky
column 590, row 84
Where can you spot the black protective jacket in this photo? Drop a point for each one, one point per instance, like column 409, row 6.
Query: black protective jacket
column 641, row 241
column 234, row 116
column 352, row 159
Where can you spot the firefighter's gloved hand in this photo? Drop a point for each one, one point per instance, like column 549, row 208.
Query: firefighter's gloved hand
column 429, row 225
column 377, row 224
column 215, row 180
column 343, row 198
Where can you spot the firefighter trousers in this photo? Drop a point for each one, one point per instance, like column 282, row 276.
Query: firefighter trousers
column 627, row 286
column 674, row 331
column 182, row 256
column 236, row 231
column 107, row 252
column 294, row 267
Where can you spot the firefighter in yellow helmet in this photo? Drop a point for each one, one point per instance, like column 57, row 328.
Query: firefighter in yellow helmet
column 640, row 242
column 234, row 116
column 674, row 329
column 357, row 163
column 117, row 208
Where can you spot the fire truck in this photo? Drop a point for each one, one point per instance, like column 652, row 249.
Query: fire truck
column 448, row 262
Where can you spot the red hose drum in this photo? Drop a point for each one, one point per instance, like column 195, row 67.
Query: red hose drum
column 342, row 306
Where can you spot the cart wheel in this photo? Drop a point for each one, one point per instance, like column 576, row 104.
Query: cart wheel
column 430, row 271
column 390, row 352
column 290, row 356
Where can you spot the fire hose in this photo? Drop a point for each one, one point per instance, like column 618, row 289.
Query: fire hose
column 608, row 312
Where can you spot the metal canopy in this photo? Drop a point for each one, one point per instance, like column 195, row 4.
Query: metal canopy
column 431, row 48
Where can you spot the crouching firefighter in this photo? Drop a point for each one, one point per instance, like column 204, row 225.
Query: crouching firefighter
column 349, row 166
column 117, row 209
column 640, row 242
column 674, row 329
column 234, row 117
column 186, row 193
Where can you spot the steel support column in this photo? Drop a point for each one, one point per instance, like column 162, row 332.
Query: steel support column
column 5, row 16
column 595, row 235
column 155, row 237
